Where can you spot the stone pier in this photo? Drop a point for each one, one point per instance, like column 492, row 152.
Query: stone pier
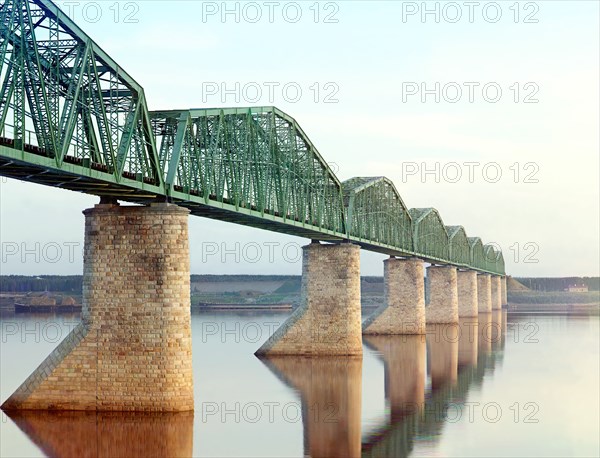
column 328, row 321
column 496, row 292
column 443, row 295
column 484, row 293
column 403, row 309
column 132, row 350
column 466, row 281
column 504, row 292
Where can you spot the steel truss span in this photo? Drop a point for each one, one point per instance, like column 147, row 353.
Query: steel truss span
column 71, row 117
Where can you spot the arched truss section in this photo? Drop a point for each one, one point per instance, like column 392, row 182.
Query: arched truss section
column 477, row 253
column 494, row 259
column 375, row 212
column 257, row 159
column 459, row 248
column 430, row 238
column 71, row 117
column 63, row 100
column 500, row 266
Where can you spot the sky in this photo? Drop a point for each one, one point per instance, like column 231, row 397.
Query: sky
column 488, row 112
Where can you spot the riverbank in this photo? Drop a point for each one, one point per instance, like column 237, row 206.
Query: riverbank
column 590, row 309
column 238, row 307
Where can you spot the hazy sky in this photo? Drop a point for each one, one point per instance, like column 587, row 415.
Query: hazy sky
column 498, row 103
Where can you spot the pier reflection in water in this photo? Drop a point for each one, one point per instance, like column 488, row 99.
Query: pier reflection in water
column 453, row 357
column 404, row 360
column 108, row 434
column 426, row 378
column 330, row 389
column 457, row 358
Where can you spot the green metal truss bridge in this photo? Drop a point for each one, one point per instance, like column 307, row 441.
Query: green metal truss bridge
column 71, row 117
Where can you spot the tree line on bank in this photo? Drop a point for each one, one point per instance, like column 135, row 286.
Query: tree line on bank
column 559, row 284
column 73, row 283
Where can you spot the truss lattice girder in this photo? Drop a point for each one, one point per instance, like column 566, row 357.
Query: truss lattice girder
column 375, row 211
column 256, row 159
column 80, row 122
column 67, row 97
column 459, row 249
column 429, row 234
column 477, row 253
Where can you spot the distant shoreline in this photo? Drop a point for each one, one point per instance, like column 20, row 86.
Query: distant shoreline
column 25, row 308
column 555, row 309
column 238, row 307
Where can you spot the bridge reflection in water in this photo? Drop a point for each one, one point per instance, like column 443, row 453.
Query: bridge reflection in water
column 454, row 358
column 458, row 357
column 330, row 389
column 103, row 434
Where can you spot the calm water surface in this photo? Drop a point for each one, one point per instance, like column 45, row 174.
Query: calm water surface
column 507, row 386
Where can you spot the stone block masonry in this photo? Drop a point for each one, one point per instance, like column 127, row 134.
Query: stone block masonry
column 328, row 320
column 403, row 310
column 443, row 295
column 133, row 349
column 484, row 293
column 496, row 292
column 467, row 293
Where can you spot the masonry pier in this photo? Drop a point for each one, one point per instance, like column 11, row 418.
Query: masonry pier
column 496, row 292
column 328, row 320
column 466, row 281
column 443, row 295
column 403, row 309
column 132, row 350
column 484, row 293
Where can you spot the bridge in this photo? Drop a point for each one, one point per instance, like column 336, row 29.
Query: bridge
column 72, row 118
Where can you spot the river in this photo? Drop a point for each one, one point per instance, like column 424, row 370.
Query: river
column 498, row 386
